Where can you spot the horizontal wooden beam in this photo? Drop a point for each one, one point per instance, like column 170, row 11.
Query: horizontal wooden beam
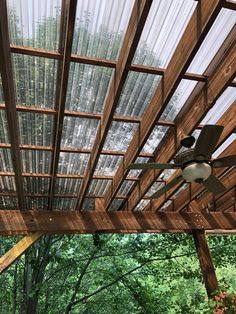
column 23, row 222
column 18, row 249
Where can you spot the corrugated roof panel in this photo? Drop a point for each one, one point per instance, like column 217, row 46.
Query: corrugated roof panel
column 35, row 80
column 72, row 163
column 116, row 204
column 67, row 186
column 88, row 204
column 98, row 187
column 34, row 23
column 36, row 161
column 4, row 137
column 100, row 27
column 120, row 135
column 154, row 188
column 7, row 184
column 163, row 30
column 155, row 138
column 34, row 185
column 221, row 106
column 137, row 93
column 9, row 202
column 5, row 160
column 141, row 205
column 107, row 165
column 178, row 100
column 126, row 187
column 214, row 39
column 87, row 87
column 134, row 172
column 225, row 144
column 35, row 128
column 79, row 132
column 60, row 203
column 1, row 90
column 33, row 203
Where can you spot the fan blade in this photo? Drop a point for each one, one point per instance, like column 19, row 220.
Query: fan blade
column 167, row 187
column 227, row 161
column 153, row 166
column 207, row 141
column 214, row 185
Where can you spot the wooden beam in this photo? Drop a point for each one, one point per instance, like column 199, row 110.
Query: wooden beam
column 186, row 121
column 137, row 20
column 228, row 120
column 23, row 222
column 9, row 96
column 205, row 261
column 18, row 249
column 66, row 39
column 202, row 19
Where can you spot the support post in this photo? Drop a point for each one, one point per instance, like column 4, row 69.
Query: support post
column 205, row 260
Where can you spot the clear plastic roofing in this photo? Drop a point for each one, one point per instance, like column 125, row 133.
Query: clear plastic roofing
column 80, row 116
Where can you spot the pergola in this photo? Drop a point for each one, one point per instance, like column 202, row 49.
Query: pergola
column 100, row 194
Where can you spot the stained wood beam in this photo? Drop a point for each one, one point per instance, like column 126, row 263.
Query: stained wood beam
column 202, row 19
column 136, row 23
column 205, row 261
column 66, row 38
column 228, row 120
column 9, row 96
column 187, row 120
column 23, row 222
column 18, row 249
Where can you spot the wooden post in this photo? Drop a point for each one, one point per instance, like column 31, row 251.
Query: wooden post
column 205, row 260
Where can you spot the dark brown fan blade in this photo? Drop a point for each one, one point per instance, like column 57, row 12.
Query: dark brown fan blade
column 146, row 166
column 227, row 161
column 214, row 185
column 167, row 187
column 207, row 141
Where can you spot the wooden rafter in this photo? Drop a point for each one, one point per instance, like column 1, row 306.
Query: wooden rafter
column 202, row 19
column 10, row 101
column 187, row 121
column 228, row 120
column 61, row 89
column 23, row 222
column 18, row 249
column 136, row 23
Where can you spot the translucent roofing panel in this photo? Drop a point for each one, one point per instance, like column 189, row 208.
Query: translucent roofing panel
column 107, row 165
column 79, row 132
column 64, row 203
column 5, row 160
column 36, row 161
column 154, row 188
column 35, row 80
column 34, row 185
column 137, row 93
column 134, row 172
column 221, row 106
column 100, row 27
column 7, row 184
column 226, row 143
column 214, row 39
column 120, row 135
column 36, row 202
column 72, row 163
column 141, row 205
column 35, row 128
column 1, row 90
column 87, row 87
column 126, row 187
column 88, row 204
column 116, row 204
column 4, row 137
column 165, row 25
column 67, row 186
column 8, row 202
column 98, row 187
column 178, row 100
column 154, row 139
column 34, row 23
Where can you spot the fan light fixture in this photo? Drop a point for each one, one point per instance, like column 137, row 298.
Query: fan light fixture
column 197, row 172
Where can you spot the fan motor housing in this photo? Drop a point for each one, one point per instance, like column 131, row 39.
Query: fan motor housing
column 197, row 172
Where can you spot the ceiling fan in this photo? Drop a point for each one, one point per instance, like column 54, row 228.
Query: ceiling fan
column 195, row 163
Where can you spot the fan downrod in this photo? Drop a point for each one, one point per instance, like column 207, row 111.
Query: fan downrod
column 188, row 141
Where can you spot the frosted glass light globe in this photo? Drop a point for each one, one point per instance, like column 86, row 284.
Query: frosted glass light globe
column 197, row 172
